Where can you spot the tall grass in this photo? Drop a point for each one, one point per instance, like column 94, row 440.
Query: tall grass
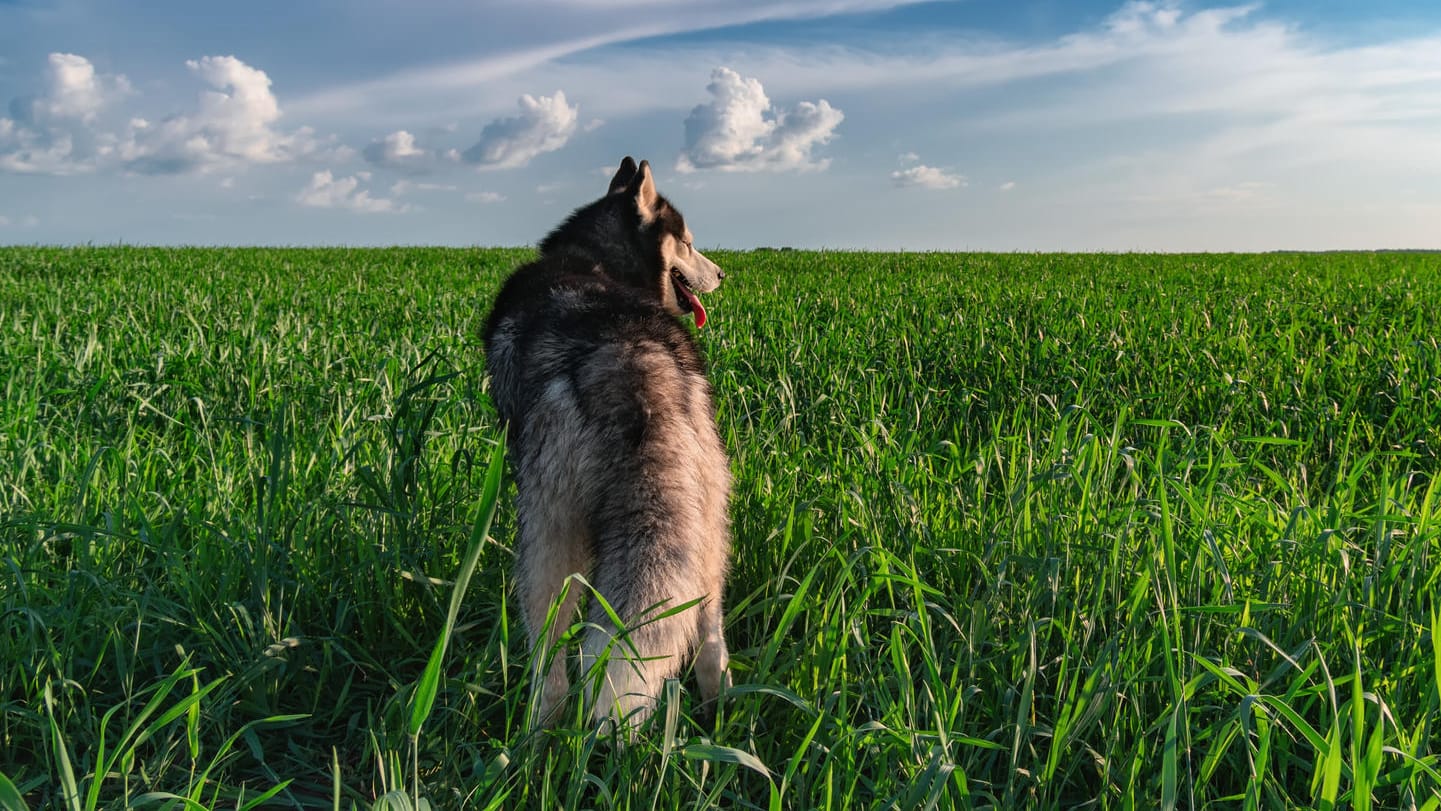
column 1011, row 531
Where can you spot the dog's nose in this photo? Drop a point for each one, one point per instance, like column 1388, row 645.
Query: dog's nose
column 720, row 274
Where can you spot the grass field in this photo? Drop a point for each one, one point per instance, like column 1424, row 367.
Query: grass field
column 1022, row 531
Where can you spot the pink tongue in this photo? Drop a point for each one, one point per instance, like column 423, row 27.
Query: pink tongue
column 694, row 305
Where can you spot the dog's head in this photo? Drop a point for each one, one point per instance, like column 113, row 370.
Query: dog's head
column 683, row 271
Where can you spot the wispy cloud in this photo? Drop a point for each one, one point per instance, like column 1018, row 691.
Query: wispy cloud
column 404, row 187
column 1157, row 95
column 573, row 27
column 739, row 129
column 1245, row 190
column 1162, row 124
column 927, row 177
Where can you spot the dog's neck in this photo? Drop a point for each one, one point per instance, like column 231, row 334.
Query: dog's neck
column 613, row 260
column 592, row 254
column 599, row 234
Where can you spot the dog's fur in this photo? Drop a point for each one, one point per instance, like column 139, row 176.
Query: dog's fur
column 620, row 472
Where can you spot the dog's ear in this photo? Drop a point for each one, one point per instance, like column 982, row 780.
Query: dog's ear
column 642, row 188
column 623, row 175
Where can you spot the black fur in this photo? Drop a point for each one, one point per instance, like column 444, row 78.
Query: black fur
column 613, row 299
column 620, row 470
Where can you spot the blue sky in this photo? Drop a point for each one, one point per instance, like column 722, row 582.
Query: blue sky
column 977, row 125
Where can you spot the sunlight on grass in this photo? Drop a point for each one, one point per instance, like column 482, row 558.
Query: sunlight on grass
column 1010, row 531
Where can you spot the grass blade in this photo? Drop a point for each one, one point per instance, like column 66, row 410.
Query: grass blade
column 425, row 690
column 10, row 798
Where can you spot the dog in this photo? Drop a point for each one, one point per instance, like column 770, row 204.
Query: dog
column 621, row 476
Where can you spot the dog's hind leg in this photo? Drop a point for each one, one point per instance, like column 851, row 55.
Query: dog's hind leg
column 712, row 660
column 653, row 645
column 550, row 549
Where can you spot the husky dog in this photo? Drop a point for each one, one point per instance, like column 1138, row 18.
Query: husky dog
column 620, row 472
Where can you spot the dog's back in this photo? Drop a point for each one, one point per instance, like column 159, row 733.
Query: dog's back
column 620, row 472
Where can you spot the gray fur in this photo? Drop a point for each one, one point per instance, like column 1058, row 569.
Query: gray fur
column 620, row 472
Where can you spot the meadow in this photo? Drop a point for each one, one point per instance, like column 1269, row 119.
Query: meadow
column 1011, row 531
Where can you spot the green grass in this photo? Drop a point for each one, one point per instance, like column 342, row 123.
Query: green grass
column 1010, row 531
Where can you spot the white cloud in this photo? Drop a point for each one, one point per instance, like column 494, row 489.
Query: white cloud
column 326, row 191
column 399, row 150
column 26, row 151
column 51, row 133
column 396, row 146
column 545, row 124
column 485, row 197
column 927, row 177
column 1143, row 18
column 739, row 130
column 234, row 124
column 1156, row 99
column 514, row 45
column 1134, row 124
column 403, row 187
column 75, row 91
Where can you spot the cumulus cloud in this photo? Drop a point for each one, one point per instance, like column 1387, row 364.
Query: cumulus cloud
column 739, row 130
column 234, row 123
column 400, row 150
column 485, row 197
column 927, row 177
column 545, row 124
column 327, row 191
column 393, row 148
column 51, row 133
column 75, row 91
column 27, row 151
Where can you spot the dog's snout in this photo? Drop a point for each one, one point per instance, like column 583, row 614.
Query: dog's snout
column 720, row 274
